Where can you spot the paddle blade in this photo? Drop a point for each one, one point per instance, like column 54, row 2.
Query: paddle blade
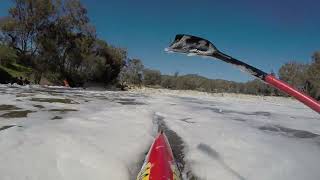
column 192, row 45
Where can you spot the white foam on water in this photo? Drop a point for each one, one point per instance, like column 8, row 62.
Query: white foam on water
column 102, row 140
column 107, row 140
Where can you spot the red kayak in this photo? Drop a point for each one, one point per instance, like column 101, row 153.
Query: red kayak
column 159, row 163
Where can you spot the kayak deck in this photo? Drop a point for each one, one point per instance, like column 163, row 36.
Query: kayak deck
column 159, row 163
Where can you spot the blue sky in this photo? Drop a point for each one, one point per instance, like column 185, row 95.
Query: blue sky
column 265, row 34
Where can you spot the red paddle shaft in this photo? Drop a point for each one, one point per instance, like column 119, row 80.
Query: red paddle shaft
column 305, row 99
column 191, row 44
column 270, row 79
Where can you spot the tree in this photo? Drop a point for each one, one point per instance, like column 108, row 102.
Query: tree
column 151, row 77
column 294, row 73
column 313, row 73
column 56, row 39
column 114, row 59
column 167, row 82
column 131, row 73
column 66, row 43
column 22, row 25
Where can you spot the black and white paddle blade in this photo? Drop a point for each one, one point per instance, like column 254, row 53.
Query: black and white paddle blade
column 192, row 45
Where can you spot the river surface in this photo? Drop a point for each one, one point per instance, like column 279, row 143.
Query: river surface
column 56, row 133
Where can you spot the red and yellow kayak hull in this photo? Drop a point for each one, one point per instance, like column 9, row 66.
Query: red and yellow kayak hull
column 159, row 163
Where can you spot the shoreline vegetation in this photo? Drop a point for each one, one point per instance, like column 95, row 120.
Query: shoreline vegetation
column 48, row 42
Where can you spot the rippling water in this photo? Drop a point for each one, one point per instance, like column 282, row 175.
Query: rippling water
column 61, row 133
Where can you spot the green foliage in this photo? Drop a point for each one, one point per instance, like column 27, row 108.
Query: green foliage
column 294, row 73
column 25, row 20
column 7, row 55
column 313, row 73
column 190, row 82
column 167, row 82
column 131, row 73
column 303, row 76
column 151, row 77
column 8, row 65
column 56, row 39
column 16, row 70
column 113, row 60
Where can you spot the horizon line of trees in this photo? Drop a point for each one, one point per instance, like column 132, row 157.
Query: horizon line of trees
column 55, row 39
column 305, row 77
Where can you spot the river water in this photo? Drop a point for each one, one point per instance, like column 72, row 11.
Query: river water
column 61, row 133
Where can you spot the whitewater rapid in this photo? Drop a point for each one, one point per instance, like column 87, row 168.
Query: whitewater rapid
column 58, row 133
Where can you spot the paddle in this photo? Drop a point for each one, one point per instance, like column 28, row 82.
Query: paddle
column 192, row 45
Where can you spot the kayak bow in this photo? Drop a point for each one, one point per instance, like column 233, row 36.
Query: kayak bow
column 159, row 163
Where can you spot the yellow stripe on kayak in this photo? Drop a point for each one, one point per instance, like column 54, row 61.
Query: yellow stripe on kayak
column 145, row 172
column 176, row 172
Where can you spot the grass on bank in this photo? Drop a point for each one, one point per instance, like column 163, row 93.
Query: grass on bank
column 16, row 70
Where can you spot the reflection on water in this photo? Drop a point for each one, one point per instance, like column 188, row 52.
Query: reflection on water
column 224, row 111
column 6, row 127
column 54, row 100
column 289, row 132
column 16, row 114
column 38, row 106
column 56, row 118
column 5, row 107
column 63, row 110
column 204, row 148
